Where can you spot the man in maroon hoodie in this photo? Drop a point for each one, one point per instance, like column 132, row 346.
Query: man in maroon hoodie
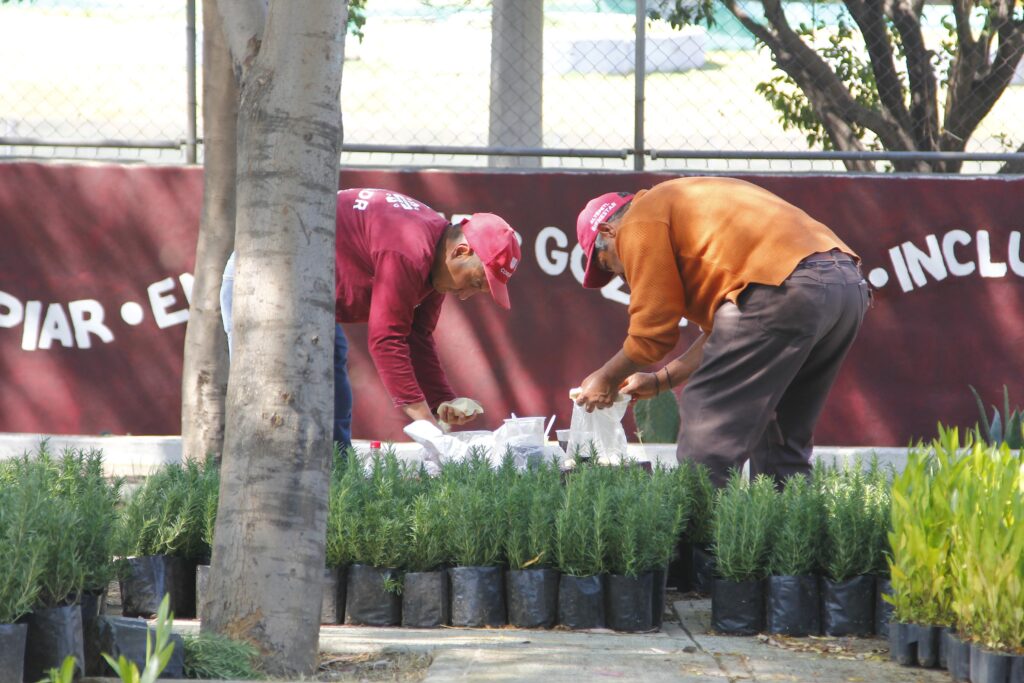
column 396, row 260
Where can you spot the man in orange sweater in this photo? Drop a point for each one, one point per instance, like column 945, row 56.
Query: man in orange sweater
column 778, row 298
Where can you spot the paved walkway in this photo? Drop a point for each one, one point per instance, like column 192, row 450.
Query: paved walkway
column 683, row 651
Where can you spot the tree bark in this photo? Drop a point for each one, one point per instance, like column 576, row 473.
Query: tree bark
column 268, row 560
column 205, row 371
column 517, row 78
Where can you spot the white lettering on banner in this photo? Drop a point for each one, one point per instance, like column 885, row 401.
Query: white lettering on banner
column 15, row 311
column 915, row 267
column 161, row 302
column 555, row 261
column 87, row 318
column 74, row 324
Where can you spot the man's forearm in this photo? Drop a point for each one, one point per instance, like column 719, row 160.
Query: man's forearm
column 680, row 369
column 618, row 368
column 418, row 411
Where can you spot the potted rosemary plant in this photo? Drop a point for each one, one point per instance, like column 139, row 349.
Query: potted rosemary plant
column 793, row 594
column 425, row 596
column 743, row 535
column 476, row 534
column 582, row 527
column 532, row 582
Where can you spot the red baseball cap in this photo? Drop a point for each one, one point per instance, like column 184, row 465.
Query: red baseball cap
column 598, row 210
column 494, row 241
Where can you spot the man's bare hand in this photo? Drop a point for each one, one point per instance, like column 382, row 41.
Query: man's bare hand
column 640, row 385
column 459, row 411
column 596, row 392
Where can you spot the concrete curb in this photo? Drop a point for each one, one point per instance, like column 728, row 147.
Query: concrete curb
column 138, row 456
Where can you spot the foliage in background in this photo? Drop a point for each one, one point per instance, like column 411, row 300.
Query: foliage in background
column 21, row 562
column 697, row 480
column 584, row 521
column 531, row 505
column 850, row 531
column 743, row 527
column 426, row 528
column 872, row 81
column 657, row 418
column 1005, row 427
column 476, row 520
column 800, row 516
column 167, row 514
column 211, row 655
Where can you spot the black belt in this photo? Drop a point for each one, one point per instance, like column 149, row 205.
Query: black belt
column 833, row 256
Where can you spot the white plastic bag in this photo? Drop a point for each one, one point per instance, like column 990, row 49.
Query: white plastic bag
column 523, row 437
column 599, row 431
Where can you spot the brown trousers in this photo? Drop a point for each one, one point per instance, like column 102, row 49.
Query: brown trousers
column 767, row 368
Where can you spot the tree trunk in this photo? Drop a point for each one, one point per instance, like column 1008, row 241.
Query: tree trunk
column 205, row 372
column 517, row 79
column 268, row 558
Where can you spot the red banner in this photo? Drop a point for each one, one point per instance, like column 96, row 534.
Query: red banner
column 95, row 279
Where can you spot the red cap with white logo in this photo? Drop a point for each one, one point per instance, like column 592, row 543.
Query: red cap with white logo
column 494, row 241
column 597, row 211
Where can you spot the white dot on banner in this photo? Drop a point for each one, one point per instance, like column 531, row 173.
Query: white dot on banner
column 131, row 313
column 878, row 277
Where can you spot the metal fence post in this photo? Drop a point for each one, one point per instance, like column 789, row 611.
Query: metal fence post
column 639, row 75
column 191, row 133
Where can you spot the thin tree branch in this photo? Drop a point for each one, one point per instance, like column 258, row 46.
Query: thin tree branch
column 1015, row 167
column 871, row 20
column 924, row 106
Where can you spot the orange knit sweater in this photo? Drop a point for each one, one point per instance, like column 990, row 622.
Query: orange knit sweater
column 690, row 244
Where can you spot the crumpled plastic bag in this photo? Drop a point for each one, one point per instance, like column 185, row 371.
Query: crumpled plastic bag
column 467, row 407
column 598, row 433
column 438, row 447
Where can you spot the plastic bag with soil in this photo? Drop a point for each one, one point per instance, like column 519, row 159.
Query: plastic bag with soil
column 659, row 594
column 848, row 607
column 93, row 604
column 126, row 637
column 883, row 608
column 151, row 577
column 737, row 607
column 704, row 567
column 793, row 607
column 532, row 597
column 478, row 596
column 425, row 599
column 581, row 602
column 372, row 596
column 681, row 566
column 12, row 652
column 628, row 601
column 53, row 634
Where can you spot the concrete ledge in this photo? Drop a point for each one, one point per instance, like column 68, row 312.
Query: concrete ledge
column 138, row 456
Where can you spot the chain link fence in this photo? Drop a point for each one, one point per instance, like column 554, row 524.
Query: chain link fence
column 552, row 84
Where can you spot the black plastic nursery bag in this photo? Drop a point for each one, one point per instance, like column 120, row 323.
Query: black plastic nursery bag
column 957, row 655
column 53, row 634
column 125, row 637
column 478, row 596
column 581, row 602
column 793, row 605
column 883, row 608
column 425, row 599
column 659, row 579
column 848, row 607
column 737, row 607
column 12, row 652
column 532, row 597
column 704, row 569
column 628, row 602
column 153, row 576
column 369, row 602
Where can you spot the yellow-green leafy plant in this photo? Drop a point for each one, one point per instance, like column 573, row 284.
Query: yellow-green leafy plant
column 988, row 556
column 921, row 538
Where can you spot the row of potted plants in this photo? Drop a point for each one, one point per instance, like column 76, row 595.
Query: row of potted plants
column 58, row 520
column 475, row 546
column 958, row 560
column 803, row 560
